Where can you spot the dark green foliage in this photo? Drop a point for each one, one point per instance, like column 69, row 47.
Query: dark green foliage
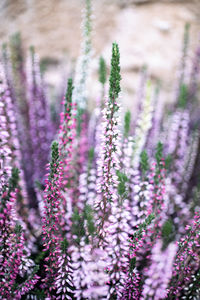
column 90, row 156
column 18, row 229
column 16, row 50
column 79, row 116
column 40, row 294
column 40, row 257
column 14, row 179
column 137, row 236
column 12, row 183
column 64, row 245
column 122, row 176
column 47, row 61
column 77, row 225
column 54, row 159
column 22, row 284
column 102, row 71
column 121, row 188
column 83, row 224
column 115, row 76
column 144, row 162
column 167, row 228
column 123, row 179
column 142, row 227
column 127, row 123
column 183, row 95
column 168, row 161
column 159, row 163
column 88, row 214
column 159, row 152
column 68, row 96
column 132, row 264
column 35, row 270
column 167, row 233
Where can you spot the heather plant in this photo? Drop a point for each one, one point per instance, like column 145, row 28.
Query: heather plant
column 117, row 214
column 18, row 271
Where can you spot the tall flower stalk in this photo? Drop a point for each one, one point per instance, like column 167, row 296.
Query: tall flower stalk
column 13, row 254
column 83, row 64
column 108, row 162
column 67, row 134
column 39, row 118
column 52, row 219
column 144, row 123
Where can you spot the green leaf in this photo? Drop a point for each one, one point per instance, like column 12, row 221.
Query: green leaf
column 168, row 161
column 68, row 96
column 183, row 95
column 90, row 219
column 144, row 162
column 64, row 245
column 127, row 122
column 121, row 176
column 167, row 233
column 159, row 152
column 14, row 179
column 102, row 70
column 91, row 155
column 121, row 188
column 132, row 264
column 167, row 228
column 115, row 76
column 18, row 229
column 122, row 183
column 54, row 159
column 142, row 227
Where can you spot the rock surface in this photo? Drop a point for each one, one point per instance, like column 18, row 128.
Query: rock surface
column 148, row 32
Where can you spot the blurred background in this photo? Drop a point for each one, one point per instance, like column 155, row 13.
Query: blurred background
column 148, row 32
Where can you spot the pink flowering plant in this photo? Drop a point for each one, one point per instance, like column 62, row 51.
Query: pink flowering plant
column 98, row 204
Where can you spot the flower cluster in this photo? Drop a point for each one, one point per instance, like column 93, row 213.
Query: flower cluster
column 117, row 215
column 13, row 251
